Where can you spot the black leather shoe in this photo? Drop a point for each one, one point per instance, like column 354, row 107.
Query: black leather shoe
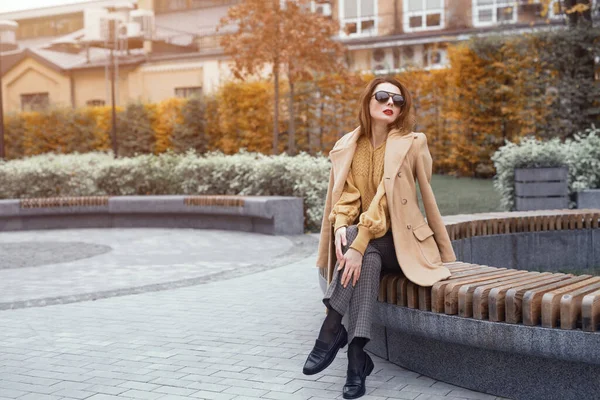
column 355, row 382
column 323, row 354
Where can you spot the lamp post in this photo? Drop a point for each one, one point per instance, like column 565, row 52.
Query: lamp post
column 7, row 42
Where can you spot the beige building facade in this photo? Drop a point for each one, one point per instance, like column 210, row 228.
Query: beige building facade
column 60, row 68
column 170, row 48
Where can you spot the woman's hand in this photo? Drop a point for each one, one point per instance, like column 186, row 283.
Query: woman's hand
column 352, row 260
column 340, row 239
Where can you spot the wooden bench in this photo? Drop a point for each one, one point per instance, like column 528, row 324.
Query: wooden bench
column 509, row 332
column 503, row 295
column 273, row 215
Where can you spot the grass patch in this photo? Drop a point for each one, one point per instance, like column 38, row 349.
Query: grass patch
column 458, row 195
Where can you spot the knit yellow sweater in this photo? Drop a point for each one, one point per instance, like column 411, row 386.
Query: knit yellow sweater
column 364, row 193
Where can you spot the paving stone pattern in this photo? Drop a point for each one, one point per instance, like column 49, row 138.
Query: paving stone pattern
column 244, row 337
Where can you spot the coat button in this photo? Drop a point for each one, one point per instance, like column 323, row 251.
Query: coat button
column 403, row 201
column 399, row 174
column 408, row 226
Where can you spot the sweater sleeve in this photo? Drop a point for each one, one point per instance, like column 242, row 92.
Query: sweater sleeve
column 346, row 209
column 374, row 222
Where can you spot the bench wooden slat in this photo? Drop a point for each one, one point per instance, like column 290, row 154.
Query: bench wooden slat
column 424, row 298
column 451, row 290
column 437, row 290
column 550, row 303
column 466, row 268
column 412, row 295
column 497, row 296
column 401, row 285
column 382, row 296
column 590, row 312
column 514, row 298
column 465, row 293
column 570, row 306
column 391, row 289
column 481, row 294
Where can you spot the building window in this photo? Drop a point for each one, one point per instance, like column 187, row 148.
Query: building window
column 187, row 92
column 491, row 12
column 165, row 6
column 434, row 58
column 555, row 10
column 358, row 17
column 422, row 15
column 35, row 101
column 95, row 103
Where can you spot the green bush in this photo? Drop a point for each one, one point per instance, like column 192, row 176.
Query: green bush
column 98, row 174
column 134, row 131
column 191, row 132
column 581, row 155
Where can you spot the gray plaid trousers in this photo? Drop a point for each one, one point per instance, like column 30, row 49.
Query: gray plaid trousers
column 360, row 300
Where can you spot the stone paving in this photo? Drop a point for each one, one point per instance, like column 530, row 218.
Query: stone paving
column 235, row 317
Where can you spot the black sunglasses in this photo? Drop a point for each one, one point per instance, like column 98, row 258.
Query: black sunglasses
column 382, row 97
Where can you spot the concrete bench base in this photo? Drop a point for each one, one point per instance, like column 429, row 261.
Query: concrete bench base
column 261, row 214
column 494, row 372
column 502, row 359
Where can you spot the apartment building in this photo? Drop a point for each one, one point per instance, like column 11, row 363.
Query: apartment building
column 390, row 35
column 161, row 48
column 165, row 48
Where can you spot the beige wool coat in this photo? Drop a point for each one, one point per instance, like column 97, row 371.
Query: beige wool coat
column 422, row 245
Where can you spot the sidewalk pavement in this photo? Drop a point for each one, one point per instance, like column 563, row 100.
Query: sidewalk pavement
column 218, row 315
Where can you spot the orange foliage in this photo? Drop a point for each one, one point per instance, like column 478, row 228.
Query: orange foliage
column 167, row 114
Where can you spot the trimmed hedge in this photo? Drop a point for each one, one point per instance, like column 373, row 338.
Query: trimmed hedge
column 580, row 154
column 98, row 174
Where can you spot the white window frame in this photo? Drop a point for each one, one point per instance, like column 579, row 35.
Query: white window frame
column 187, row 92
column 358, row 20
column 423, row 13
column 443, row 58
column 494, row 7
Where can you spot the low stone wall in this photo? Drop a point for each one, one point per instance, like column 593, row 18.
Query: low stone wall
column 270, row 215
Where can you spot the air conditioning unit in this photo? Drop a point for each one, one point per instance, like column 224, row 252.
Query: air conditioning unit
column 145, row 20
column 92, row 25
column 323, row 9
column 134, row 29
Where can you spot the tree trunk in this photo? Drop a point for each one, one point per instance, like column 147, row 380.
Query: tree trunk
column 276, row 110
column 292, row 123
column 276, row 61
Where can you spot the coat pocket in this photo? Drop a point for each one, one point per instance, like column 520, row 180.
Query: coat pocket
column 427, row 244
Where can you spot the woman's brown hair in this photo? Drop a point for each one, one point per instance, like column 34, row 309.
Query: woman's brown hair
column 405, row 120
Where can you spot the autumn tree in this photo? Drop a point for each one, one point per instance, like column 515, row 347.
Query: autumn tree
column 288, row 37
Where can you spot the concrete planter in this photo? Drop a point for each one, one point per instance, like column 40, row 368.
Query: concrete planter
column 589, row 198
column 541, row 188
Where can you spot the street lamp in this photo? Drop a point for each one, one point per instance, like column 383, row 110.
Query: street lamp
column 8, row 41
